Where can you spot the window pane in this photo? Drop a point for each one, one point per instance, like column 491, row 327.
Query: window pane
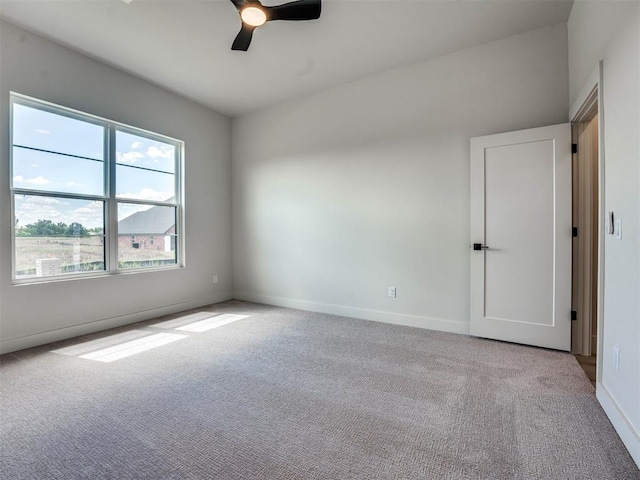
column 56, row 173
column 139, row 184
column 144, row 152
column 146, row 236
column 56, row 133
column 57, row 236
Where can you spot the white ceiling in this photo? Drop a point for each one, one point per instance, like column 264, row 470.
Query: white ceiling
column 184, row 45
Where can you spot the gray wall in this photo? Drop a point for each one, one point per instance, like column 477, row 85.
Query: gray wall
column 344, row 193
column 35, row 314
column 609, row 31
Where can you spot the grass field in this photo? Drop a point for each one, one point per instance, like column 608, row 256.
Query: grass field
column 80, row 254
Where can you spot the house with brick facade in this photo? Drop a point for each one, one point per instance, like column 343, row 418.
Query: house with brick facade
column 152, row 229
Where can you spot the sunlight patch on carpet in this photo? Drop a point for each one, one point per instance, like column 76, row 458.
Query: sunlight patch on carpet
column 211, row 323
column 133, row 347
column 200, row 322
column 184, row 320
column 101, row 343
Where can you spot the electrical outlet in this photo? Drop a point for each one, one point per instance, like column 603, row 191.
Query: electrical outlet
column 215, row 279
column 616, row 357
column 392, row 292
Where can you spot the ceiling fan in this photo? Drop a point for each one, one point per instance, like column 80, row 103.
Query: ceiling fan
column 253, row 14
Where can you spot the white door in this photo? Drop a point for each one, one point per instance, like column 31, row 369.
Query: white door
column 521, row 228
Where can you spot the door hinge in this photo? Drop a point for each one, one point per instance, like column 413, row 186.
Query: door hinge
column 574, row 148
column 574, row 315
column 574, row 232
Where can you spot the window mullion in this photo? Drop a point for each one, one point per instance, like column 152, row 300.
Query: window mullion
column 179, row 200
column 112, row 206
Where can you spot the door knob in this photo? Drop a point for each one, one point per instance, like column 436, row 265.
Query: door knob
column 479, row 246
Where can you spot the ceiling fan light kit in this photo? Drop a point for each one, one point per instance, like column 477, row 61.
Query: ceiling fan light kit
column 253, row 14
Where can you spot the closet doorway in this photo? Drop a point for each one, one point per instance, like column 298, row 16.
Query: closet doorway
column 586, row 207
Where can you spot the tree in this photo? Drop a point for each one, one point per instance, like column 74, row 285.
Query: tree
column 42, row 228
column 46, row 228
column 76, row 229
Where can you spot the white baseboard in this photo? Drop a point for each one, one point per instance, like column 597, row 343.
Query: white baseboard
column 627, row 433
column 440, row 324
column 42, row 338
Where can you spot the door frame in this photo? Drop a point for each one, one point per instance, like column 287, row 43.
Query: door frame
column 585, row 222
column 590, row 95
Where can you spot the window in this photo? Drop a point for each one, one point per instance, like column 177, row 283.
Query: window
column 90, row 195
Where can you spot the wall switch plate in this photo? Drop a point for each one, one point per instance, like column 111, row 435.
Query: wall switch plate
column 392, row 292
column 215, row 279
column 618, row 229
column 616, row 357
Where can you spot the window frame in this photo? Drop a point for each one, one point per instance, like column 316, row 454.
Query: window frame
column 110, row 210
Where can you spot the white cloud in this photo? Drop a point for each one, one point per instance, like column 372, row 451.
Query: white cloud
column 35, row 202
column 129, row 157
column 148, row 194
column 18, row 179
column 39, row 180
column 136, row 145
column 30, row 209
column 74, row 184
column 90, row 215
column 165, row 151
column 43, row 132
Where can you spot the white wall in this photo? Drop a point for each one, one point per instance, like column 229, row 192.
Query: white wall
column 34, row 314
column 344, row 193
column 610, row 31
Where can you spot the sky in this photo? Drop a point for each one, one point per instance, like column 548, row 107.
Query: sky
column 69, row 158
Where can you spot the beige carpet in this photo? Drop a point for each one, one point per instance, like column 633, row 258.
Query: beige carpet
column 273, row 393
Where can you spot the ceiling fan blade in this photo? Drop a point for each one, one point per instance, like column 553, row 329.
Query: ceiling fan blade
column 300, row 10
column 243, row 3
column 243, row 39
